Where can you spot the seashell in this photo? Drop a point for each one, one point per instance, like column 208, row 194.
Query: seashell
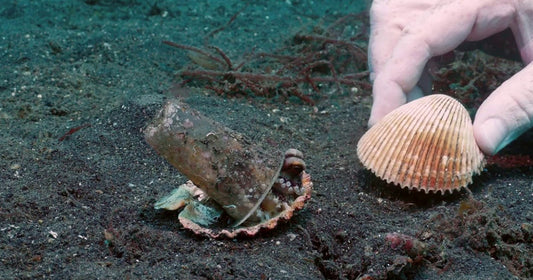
column 427, row 144
column 234, row 185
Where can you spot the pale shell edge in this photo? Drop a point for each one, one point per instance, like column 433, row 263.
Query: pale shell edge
column 436, row 191
column 297, row 204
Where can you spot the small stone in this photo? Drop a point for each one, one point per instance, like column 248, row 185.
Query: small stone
column 341, row 235
column 53, row 234
column 527, row 230
column 14, row 166
column 291, row 236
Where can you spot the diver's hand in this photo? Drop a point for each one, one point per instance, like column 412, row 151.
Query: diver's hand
column 405, row 34
column 506, row 113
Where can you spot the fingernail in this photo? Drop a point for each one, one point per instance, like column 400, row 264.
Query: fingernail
column 491, row 136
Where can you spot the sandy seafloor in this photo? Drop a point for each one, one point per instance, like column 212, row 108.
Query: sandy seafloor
column 82, row 207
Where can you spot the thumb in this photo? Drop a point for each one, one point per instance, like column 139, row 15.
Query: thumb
column 506, row 113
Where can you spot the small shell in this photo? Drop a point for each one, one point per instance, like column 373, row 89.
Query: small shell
column 427, row 144
column 286, row 214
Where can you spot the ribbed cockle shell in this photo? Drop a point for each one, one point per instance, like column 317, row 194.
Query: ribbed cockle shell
column 427, row 144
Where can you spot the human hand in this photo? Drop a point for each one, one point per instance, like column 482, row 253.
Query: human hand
column 405, row 34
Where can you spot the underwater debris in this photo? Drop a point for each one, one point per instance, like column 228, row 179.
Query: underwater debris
column 235, row 187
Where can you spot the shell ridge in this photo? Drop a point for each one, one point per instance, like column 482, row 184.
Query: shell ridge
column 434, row 135
column 431, row 180
column 400, row 154
column 465, row 168
column 445, row 147
column 392, row 168
column 439, row 123
column 461, row 166
column 449, row 168
column 410, row 146
column 386, row 147
column 385, row 167
column 376, row 146
column 427, row 144
column 369, row 147
column 416, row 167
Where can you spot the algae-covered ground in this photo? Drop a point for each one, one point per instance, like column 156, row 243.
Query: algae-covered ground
column 80, row 80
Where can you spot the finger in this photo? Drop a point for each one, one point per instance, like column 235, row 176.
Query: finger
column 523, row 30
column 495, row 17
column 386, row 29
column 431, row 36
column 382, row 105
column 388, row 20
column 506, row 114
column 435, row 35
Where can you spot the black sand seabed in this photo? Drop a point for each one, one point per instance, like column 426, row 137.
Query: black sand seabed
column 82, row 207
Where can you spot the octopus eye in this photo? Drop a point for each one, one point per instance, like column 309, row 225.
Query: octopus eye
column 293, row 166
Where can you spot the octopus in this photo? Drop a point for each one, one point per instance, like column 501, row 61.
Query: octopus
column 235, row 187
column 204, row 216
